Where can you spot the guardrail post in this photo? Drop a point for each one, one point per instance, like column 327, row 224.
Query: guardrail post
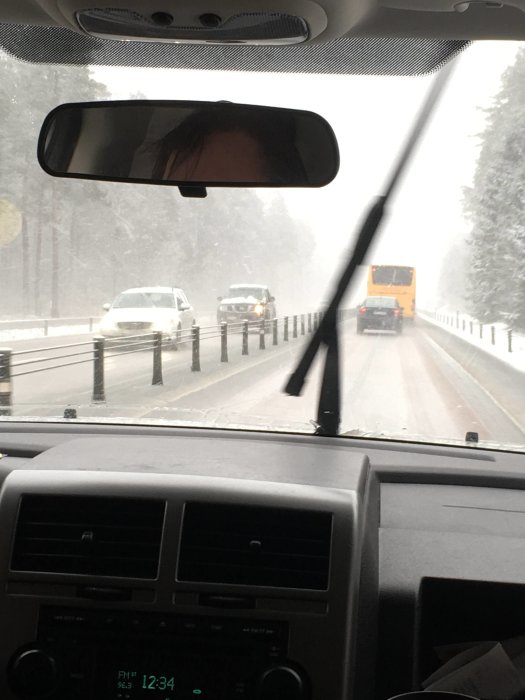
column 481, row 330
column 493, row 335
column 471, row 327
column 285, row 335
column 463, row 326
column 457, row 319
column 309, row 323
column 275, row 330
column 244, row 338
column 302, row 324
column 294, row 332
column 91, row 324
column 99, row 394
column 224, row 341
column 5, row 382
column 262, row 331
column 195, row 349
column 46, row 327
column 157, row 358
column 509, row 340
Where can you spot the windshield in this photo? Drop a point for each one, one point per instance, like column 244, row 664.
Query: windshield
column 380, row 301
column 255, row 292
column 141, row 300
column 450, row 251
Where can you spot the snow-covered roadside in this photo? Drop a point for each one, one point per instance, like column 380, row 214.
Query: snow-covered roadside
column 29, row 333
column 468, row 329
column 205, row 321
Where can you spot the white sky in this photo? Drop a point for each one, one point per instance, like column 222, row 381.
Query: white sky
column 371, row 117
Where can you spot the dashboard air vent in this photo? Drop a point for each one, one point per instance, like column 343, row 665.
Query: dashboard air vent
column 88, row 535
column 258, row 546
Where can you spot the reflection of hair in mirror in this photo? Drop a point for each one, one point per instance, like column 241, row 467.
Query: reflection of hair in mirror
column 262, row 150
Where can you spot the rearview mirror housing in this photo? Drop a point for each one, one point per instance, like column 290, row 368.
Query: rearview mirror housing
column 189, row 144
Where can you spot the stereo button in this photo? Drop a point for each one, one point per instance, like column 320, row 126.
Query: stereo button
column 69, row 620
column 190, row 627
column 108, row 622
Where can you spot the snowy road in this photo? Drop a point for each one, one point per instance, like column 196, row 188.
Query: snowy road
column 401, row 385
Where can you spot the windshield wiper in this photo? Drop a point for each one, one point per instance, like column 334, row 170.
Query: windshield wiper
column 329, row 407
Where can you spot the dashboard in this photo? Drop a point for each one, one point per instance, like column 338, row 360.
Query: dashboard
column 191, row 564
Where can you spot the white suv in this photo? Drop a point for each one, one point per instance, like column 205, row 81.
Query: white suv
column 246, row 302
column 148, row 309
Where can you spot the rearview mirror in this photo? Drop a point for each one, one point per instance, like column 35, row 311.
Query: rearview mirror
column 197, row 144
column 106, row 307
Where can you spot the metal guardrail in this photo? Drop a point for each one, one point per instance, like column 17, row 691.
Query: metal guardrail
column 99, row 349
column 469, row 326
column 45, row 324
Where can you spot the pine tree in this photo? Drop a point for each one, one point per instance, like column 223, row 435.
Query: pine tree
column 496, row 207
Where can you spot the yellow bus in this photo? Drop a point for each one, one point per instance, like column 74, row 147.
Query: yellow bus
column 394, row 281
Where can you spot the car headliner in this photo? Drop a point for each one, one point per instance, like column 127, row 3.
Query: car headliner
column 397, row 37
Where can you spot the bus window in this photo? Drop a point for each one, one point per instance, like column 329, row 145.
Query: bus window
column 390, row 274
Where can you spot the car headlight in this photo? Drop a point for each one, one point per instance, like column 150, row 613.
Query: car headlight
column 258, row 308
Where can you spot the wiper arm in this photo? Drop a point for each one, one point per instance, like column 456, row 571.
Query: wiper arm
column 329, row 408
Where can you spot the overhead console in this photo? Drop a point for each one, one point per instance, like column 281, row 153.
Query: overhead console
column 130, row 585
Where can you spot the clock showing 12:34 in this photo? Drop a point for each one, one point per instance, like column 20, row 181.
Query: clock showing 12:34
column 154, row 682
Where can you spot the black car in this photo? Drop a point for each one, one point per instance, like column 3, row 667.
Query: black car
column 380, row 313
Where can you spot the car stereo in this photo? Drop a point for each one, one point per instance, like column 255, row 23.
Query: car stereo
column 122, row 655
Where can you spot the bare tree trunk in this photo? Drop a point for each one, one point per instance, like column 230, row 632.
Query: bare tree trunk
column 55, row 257
column 55, row 218
column 37, row 269
column 25, row 265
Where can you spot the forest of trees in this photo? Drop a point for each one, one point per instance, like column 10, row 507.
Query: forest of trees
column 495, row 205
column 81, row 242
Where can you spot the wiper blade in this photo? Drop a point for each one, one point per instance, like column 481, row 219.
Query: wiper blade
column 329, row 408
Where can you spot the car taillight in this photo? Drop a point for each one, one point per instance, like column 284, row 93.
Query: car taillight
column 362, row 310
column 396, row 312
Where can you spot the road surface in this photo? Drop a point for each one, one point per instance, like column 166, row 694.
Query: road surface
column 404, row 385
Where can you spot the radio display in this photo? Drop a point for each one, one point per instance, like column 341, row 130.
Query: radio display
column 143, row 683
